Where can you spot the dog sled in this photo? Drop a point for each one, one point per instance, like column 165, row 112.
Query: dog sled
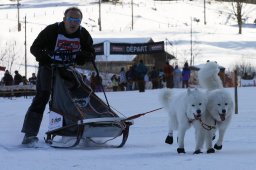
column 77, row 112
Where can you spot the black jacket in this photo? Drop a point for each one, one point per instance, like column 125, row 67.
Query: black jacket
column 8, row 79
column 17, row 79
column 46, row 41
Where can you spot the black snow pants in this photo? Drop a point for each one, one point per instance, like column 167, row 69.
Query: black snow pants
column 34, row 115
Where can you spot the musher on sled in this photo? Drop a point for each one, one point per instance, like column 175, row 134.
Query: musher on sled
column 67, row 35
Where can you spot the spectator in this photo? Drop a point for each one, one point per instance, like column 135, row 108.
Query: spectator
column 24, row 80
column 154, row 76
column 222, row 77
column 7, row 79
column 32, row 80
column 148, row 83
column 177, row 77
column 17, row 78
column 161, row 78
column 141, row 71
column 131, row 77
column 98, row 84
column 168, row 72
column 93, row 81
column 114, row 81
column 86, row 81
column 122, row 79
column 185, row 75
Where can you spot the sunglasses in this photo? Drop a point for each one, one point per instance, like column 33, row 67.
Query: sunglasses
column 75, row 20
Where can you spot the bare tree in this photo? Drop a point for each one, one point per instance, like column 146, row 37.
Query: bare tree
column 3, row 55
column 12, row 59
column 8, row 55
column 237, row 7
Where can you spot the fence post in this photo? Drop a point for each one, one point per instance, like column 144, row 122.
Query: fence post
column 236, row 97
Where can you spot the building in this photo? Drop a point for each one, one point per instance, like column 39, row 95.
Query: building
column 112, row 63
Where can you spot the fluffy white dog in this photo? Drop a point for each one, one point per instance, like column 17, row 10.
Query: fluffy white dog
column 208, row 76
column 219, row 107
column 185, row 110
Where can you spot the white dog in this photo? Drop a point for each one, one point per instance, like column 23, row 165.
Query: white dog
column 219, row 107
column 185, row 110
column 208, row 76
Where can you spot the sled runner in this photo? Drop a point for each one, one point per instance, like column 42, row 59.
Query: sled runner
column 77, row 112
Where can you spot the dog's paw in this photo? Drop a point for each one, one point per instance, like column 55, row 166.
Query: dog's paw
column 218, row 147
column 169, row 140
column 211, row 150
column 181, row 150
column 197, row 151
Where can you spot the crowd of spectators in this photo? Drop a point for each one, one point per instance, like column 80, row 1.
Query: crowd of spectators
column 17, row 79
column 137, row 77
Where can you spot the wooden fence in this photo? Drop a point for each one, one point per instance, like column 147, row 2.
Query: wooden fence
column 17, row 90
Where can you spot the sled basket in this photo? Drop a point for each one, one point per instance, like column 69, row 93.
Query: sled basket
column 89, row 129
column 79, row 113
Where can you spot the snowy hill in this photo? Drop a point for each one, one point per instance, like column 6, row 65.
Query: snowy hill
column 217, row 40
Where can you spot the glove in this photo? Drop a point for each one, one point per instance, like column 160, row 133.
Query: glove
column 42, row 57
column 82, row 57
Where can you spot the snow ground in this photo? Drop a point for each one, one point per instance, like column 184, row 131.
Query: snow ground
column 145, row 148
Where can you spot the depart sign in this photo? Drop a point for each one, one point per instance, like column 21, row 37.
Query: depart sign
column 137, row 48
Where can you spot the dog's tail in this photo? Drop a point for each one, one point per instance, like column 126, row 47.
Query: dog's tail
column 166, row 97
column 208, row 76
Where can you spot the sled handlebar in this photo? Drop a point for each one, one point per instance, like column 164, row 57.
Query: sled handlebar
column 63, row 58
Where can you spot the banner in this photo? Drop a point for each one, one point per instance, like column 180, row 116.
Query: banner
column 137, row 48
column 99, row 48
column 2, row 68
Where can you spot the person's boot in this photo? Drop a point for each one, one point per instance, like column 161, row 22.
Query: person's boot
column 29, row 140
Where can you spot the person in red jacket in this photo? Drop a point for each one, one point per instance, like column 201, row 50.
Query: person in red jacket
column 67, row 35
column 168, row 73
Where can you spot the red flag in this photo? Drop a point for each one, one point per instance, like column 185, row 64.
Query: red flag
column 2, row 68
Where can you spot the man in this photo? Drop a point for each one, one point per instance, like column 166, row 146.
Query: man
column 131, row 77
column 32, row 80
column 154, row 76
column 185, row 75
column 177, row 77
column 122, row 79
column 168, row 72
column 141, row 71
column 7, row 79
column 67, row 35
column 17, row 78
